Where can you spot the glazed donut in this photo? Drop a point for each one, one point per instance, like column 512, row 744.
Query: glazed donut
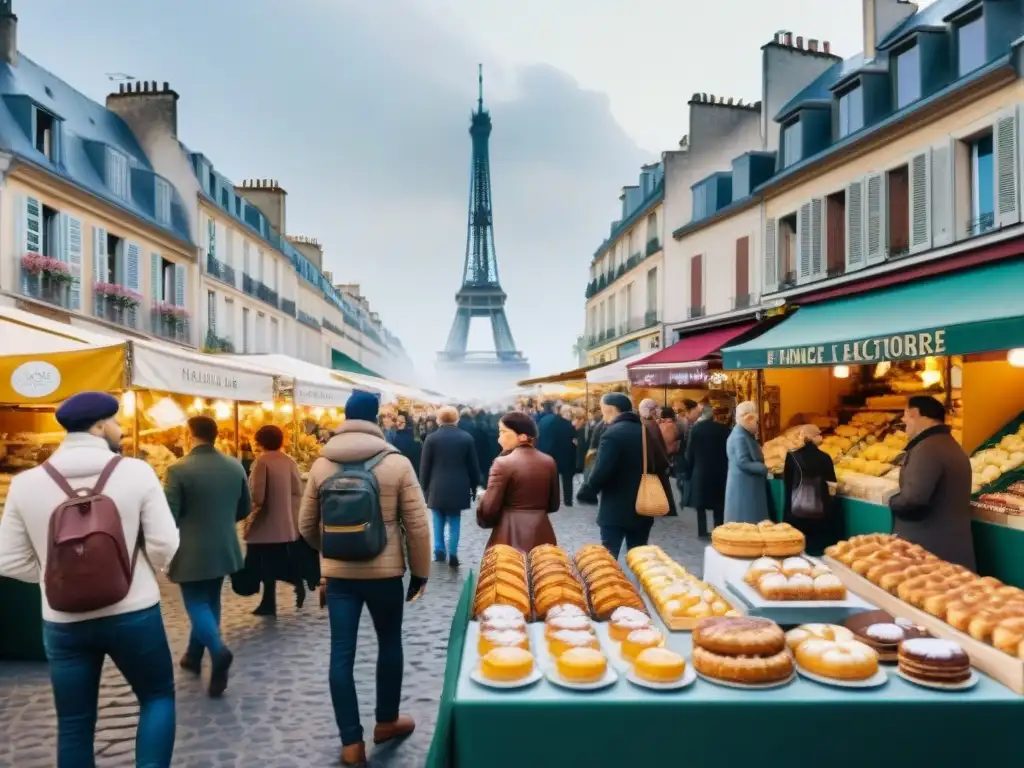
column 746, row 636
column 743, row 669
column 846, row 660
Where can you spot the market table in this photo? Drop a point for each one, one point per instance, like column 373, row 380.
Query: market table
column 21, row 619
column 804, row 723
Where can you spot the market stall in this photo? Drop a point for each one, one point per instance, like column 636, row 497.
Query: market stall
column 851, row 365
column 611, row 377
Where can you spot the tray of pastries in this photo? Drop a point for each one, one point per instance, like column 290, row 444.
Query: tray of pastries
column 765, row 539
column 680, row 598
column 796, row 579
column 502, row 581
column 554, row 580
column 607, row 586
column 983, row 615
column 742, row 651
column 571, row 650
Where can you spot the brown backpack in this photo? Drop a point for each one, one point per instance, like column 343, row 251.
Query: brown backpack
column 87, row 561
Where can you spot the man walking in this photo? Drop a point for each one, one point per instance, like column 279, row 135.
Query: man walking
column 450, row 475
column 208, row 494
column 556, row 438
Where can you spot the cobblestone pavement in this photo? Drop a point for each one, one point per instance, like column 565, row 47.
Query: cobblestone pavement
column 277, row 711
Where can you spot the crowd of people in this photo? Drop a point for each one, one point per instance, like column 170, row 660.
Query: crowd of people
column 385, row 497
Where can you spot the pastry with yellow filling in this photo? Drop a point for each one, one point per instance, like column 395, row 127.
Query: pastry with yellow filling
column 639, row 640
column 506, row 665
column 560, row 642
column 659, row 665
column 570, row 623
column 799, row 635
column 582, row 665
column 619, row 629
column 504, row 639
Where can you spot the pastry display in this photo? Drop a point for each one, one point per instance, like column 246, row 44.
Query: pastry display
column 764, row 538
column 607, row 586
column 502, row 581
column 805, row 632
column 582, row 665
column 837, row 659
column 680, row 597
column 502, row 639
column 989, row 464
column 554, row 580
column 506, row 664
column 639, row 640
column 932, row 660
column 659, row 665
column 741, row 650
column 883, row 632
column 499, row 612
column 973, row 604
column 794, row 578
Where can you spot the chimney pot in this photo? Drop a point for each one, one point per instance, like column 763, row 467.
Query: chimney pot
column 812, row 45
column 826, row 47
column 800, row 42
column 152, row 86
column 730, row 101
column 789, row 39
column 120, row 87
column 167, row 86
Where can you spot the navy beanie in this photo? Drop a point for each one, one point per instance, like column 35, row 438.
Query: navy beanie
column 618, row 400
column 80, row 412
column 362, row 406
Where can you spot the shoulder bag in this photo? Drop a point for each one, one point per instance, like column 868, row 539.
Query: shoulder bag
column 651, row 500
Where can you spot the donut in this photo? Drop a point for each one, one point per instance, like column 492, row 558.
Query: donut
column 840, row 660
column 746, row 635
column 799, row 635
column 506, row 664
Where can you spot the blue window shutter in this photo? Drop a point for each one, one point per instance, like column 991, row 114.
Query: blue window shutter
column 71, row 236
column 34, row 227
column 155, row 279
column 180, row 273
column 99, row 254
column 133, row 253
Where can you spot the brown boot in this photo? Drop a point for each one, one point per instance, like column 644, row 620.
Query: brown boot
column 354, row 754
column 399, row 729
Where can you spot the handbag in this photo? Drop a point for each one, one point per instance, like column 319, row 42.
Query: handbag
column 651, row 500
column 805, row 501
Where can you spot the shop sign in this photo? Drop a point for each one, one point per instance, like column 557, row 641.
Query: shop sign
column 900, row 346
column 187, row 376
column 35, row 379
column 312, row 394
column 692, row 376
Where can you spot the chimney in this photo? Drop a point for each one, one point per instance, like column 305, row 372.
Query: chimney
column 269, row 197
column 880, row 18
column 812, row 45
column 309, row 247
column 788, row 39
column 800, row 42
column 8, row 33
column 147, row 107
column 826, row 47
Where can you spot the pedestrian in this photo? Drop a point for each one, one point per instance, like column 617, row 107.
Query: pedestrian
column 208, row 494
column 579, row 423
column 275, row 487
column 746, row 487
column 387, row 425
column 933, row 505
column 405, row 441
column 375, row 582
column 669, row 434
column 807, row 502
column 615, row 476
column 556, row 436
column 705, row 468
column 522, row 491
column 486, row 439
column 122, row 617
column 450, row 476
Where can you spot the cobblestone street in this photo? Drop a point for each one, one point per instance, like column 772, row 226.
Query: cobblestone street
column 277, row 711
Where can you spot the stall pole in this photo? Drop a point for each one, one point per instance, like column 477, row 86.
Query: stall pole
column 949, row 383
column 135, row 425
column 238, row 436
column 760, row 401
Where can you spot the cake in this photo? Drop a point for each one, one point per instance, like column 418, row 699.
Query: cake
column 506, row 665
column 560, row 642
column 801, row 587
column 827, row 586
column 764, row 539
column 741, row 650
column 805, row 632
column 837, row 659
column 639, row 640
column 781, row 539
column 503, row 639
column 931, row 660
column 759, row 568
column 582, row 665
column 619, row 629
column 571, row 623
column 659, row 665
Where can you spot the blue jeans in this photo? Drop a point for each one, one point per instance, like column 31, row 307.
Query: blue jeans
column 386, row 600
column 137, row 644
column 613, row 536
column 454, row 525
column 202, row 603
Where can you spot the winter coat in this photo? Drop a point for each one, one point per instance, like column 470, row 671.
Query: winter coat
column 555, row 439
column 522, row 491
column 449, row 471
column 746, row 485
column 405, row 441
column 276, row 490
column 812, row 465
column 706, row 466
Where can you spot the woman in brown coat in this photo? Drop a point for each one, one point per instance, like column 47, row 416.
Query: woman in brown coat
column 522, row 489
column 271, row 530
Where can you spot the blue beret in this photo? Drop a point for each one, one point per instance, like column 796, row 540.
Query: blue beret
column 79, row 412
column 618, row 400
column 362, row 406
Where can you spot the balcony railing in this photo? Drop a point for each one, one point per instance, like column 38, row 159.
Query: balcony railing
column 332, row 327
column 653, row 246
column 214, row 344
column 170, row 322
column 742, row 301
column 259, row 290
column 651, row 318
column 309, row 320
column 634, row 324
column 696, row 311
column 288, row 307
column 50, row 283
column 591, row 289
column 218, row 269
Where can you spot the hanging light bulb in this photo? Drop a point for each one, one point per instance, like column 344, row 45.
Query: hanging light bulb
column 286, row 408
column 930, row 378
column 841, row 372
column 198, row 405
column 317, row 413
column 1015, row 357
column 128, row 403
column 221, row 410
column 268, row 406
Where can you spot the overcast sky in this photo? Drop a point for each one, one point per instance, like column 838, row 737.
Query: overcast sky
column 361, row 110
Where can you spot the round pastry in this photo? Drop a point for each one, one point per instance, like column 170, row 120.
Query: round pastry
column 774, row 586
column 506, row 665
column 582, row 665
column 738, row 540
column 828, row 586
column 517, row 624
column 740, row 636
column 640, row 639
column 506, row 639
column 507, row 612
column 564, row 610
column 884, row 637
column 743, row 669
column 759, row 568
column 794, row 565
column 621, row 628
column 560, row 642
column 1008, row 635
column 839, row 660
column 799, row 635
column 933, row 660
column 781, row 539
column 801, row 587
column 628, row 613
column 659, row 665
column 571, row 623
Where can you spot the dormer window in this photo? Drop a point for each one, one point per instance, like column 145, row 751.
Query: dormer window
column 970, row 45
column 45, row 139
column 118, row 174
column 851, row 111
column 908, row 76
column 792, row 143
column 700, row 202
column 162, row 197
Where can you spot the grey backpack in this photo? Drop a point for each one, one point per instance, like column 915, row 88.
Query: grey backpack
column 352, row 523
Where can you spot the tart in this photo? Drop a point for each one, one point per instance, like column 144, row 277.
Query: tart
column 506, row 665
column 659, row 665
column 582, row 665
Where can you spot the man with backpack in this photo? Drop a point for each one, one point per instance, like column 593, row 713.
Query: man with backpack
column 363, row 506
column 94, row 527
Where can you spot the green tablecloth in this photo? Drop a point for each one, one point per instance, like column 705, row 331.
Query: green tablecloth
column 21, row 621
column 803, row 724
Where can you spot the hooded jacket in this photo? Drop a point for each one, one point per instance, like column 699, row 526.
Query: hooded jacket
column 401, row 501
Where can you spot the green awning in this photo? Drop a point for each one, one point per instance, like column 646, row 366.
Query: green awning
column 342, row 362
column 980, row 310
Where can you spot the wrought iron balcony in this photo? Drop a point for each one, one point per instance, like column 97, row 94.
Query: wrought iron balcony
column 288, row 307
column 309, row 320
column 653, row 246
column 120, row 309
column 651, row 317
column 218, row 269
column 632, row 261
column 267, row 295
column 591, row 289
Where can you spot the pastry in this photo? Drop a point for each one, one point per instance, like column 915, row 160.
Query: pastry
column 564, row 610
column 805, row 632
column 750, row 670
column 739, row 636
column 628, row 613
column 582, row 665
column 500, row 593
column 794, row 565
column 505, row 639
column 801, row 587
column 828, row 586
column 837, row 659
column 517, row 624
column 659, row 665
column 774, row 586
column 933, row 660
column 738, row 540
column 560, row 642
column 640, row 639
column 620, row 629
column 507, row 612
column 781, row 539
column 1008, row 635
column 760, row 567
column 570, row 623
column 506, row 665
column 606, row 585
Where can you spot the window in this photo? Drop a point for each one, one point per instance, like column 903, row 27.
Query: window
column 245, row 331
column 835, row 234
column 970, row 45
column 275, row 335
column 851, row 111
column 652, row 228
column 697, row 285
column 982, row 185
column 611, row 315
column 51, row 232
column 45, row 139
column 630, row 289
column 792, row 139
column 162, row 195
column 908, row 77
column 700, row 202
column 167, row 283
column 112, row 271
column 229, row 319
column 787, row 251
column 118, row 173
column 742, row 288
column 652, row 290
column 211, row 312
column 898, row 209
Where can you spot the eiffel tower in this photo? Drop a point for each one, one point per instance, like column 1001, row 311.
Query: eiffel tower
column 481, row 294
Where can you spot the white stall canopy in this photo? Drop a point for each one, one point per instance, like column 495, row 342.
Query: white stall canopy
column 167, row 369
column 614, row 372
column 312, row 384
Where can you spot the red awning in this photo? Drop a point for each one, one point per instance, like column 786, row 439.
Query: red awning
column 686, row 361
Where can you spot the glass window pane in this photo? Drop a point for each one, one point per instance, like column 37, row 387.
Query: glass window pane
column 791, row 140
column 851, row 112
column 970, row 40
column 908, row 77
column 984, row 182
